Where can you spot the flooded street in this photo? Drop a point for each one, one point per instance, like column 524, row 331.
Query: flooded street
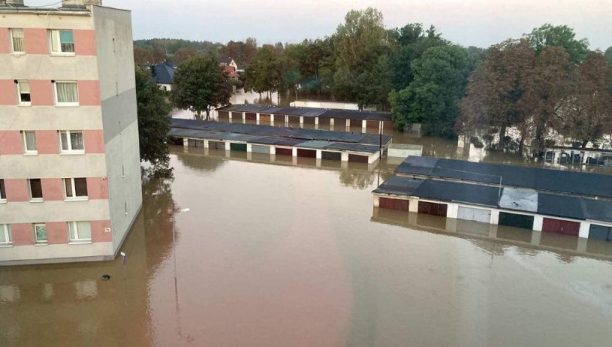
column 241, row 250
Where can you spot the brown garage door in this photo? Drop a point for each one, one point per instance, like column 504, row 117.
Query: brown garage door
column 323, row 121
column 284, row 151
column 432, row 208
column 250, row 116
column 355, row 158
column 224, row 115
column 294, row 119
column 393, row 204
column 216, row 145
column 306, row 153
column 373, row 124
column 309, row 120
column 559, row 226
column 264, row 119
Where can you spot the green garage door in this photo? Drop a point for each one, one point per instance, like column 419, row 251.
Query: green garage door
column 516, row 220
column 600, row 232
column 240, row 147
column 331, row 155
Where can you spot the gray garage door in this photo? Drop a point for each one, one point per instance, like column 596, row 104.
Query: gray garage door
column 260, row 149
column 475, row 214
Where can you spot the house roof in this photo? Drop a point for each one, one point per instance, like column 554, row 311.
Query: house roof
column 163, row 73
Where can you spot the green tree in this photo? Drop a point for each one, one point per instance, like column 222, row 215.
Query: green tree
column 265, row 73
column 440, row 78
column 359, row 44
column 153, row 124
column 200, row 85
column 560, row 36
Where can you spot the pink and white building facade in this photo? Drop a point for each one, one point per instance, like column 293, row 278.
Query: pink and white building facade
column 70, row 184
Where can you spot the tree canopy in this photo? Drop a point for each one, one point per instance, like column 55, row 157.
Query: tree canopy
column 560, row 36
column 200, row 85
column 153, row 124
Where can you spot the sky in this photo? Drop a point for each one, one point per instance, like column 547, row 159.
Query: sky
column 478, row 23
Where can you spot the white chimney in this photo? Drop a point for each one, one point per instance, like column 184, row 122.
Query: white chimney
column 80, row 3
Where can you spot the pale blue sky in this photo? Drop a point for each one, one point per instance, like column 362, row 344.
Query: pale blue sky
column 467, row 22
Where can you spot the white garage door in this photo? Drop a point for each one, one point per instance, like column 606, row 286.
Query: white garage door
column 475, row 214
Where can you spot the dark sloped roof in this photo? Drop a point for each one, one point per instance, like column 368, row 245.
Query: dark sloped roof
column 163, row 73
column 549, row 204
column 586, row 184
column 262, row 134
column 311, row 112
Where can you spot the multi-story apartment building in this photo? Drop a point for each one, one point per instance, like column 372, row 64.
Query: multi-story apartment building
column 70, row 184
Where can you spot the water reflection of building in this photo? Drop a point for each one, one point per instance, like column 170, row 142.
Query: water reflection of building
column 70, row 304
column 495, row 239
column 70, row 186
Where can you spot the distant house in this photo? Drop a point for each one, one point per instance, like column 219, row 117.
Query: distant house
column 229, row 66
column 163, row 75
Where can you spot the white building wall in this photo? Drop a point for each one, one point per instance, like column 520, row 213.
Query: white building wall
column 114, row 45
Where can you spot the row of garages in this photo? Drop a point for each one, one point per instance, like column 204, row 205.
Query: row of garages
column 295, row 151
column 494, row 216
column 321, row 122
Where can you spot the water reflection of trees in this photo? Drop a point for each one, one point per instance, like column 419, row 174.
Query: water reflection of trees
column 200, row 161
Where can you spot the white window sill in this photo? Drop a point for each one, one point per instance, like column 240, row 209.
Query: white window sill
column 6, row 245
column 24, row 104
column 31, row 153
column 78, row 198
column 62, row 54
column 67, row 104
column 41, row 244
column 84, row 242
column 18, row 53
column 72, row 152
column 37, row 200
column 2, row 201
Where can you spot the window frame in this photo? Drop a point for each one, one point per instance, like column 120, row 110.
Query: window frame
column 6, row 230
column 69, row 140
column 74, row 224
column 12, row 38
column 2, row 191
column 27, row 151
column 33, row 199
column 72, row 182
column 19, row 101
column 36, row 240
column 65, row 103
column 57, row 49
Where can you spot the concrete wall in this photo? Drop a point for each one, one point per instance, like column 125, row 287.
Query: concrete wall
column 118, row 94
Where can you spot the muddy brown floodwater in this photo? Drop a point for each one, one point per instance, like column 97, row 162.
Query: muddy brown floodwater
column 284, row 253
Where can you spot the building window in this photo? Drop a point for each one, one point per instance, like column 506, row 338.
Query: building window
column 2, row 191
column 29, row 142
column 71, row 141
column 76, row 188
column 40, row 233
column 17, row 41
column 35, row 189
column 66, row 94
column 23, row 92
column 62, row 42
column 79, row 231
column 5, row 235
